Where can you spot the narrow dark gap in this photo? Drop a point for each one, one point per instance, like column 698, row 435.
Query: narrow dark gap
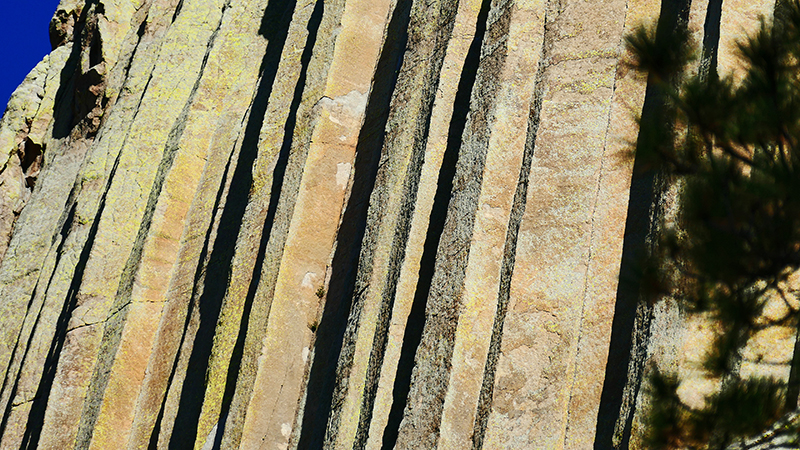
column 35, row 424
column 31, row 156
column 275, row 28
column 139, row 35
column 178, row 9
column 59, row 252
column 643, row 195
column 8, row 380
column 96, row 46
column 63, row 114
column 441, row 202
column 629, row 333
column 278, row 177
column 446, row 19
column 153, row 445
column 344, row 266
column 509, row 255
column 708, row 63
column 31, row 162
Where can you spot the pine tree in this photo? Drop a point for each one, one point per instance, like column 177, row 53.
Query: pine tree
column 733, row 147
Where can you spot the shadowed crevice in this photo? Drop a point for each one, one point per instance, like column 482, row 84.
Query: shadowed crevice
column 35, row 424
column 63, row 113
column 139, row 35
column 624, row 343
column 338, row 302
column 178, row 10
column 274, row 27
column 441, row 203
column 630, row 329
column 65, row 228
column 711, row 27
column 277, row 185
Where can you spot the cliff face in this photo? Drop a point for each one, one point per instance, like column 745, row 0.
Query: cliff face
column 332, row 223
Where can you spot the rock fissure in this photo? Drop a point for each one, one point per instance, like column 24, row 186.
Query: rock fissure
column 589, row 262
column 343, row 224
column 630, row 330
column 36, row 420
column 118, row 315
column 515, row 221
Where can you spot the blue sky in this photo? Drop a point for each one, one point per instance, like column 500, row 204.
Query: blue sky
column 23, row 41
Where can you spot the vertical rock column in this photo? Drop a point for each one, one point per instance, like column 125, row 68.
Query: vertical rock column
column 547, row 380
column 211, row 118
column 272, row 411
column 392, row 320
column 610, row 207
column 498, row 205
column 391, row 203
column 429, row 380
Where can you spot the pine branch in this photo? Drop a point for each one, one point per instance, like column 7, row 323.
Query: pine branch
column 784, row 434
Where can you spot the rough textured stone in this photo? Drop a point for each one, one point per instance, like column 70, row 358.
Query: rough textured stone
column 338, row 224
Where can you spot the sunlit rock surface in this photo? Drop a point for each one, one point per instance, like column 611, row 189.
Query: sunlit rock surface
column 372, row 224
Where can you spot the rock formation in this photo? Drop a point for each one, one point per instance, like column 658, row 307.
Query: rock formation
column 335, row 224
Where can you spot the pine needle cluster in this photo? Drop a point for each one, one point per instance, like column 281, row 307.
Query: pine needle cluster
column 732, row 144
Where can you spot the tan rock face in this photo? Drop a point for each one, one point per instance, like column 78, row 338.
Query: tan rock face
column 335, row 224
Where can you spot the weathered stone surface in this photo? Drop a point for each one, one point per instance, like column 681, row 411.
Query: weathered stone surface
column 413, row 181
column 337, row 224
column 322, row 190
column 557, row 320
column 509, row 153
